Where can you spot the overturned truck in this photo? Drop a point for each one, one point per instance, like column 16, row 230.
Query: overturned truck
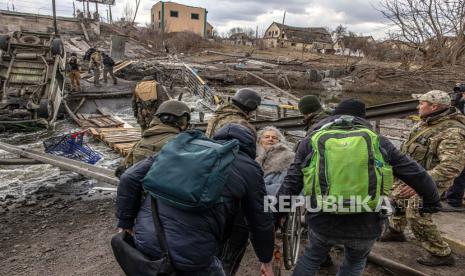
column 32, row 78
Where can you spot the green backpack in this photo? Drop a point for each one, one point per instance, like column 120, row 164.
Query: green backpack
column 347, row 170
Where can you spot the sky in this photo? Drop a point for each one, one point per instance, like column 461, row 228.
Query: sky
column 359, row 16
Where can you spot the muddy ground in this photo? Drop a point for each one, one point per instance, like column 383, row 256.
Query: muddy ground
column 49, row 235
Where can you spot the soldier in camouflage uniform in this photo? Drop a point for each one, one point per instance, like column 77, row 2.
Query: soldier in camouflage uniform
column 313, row 112
column 437, row 142
column 171, row 118
column 145, row 101
column 243, row 103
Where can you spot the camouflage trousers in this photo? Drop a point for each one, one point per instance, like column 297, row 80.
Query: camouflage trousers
column 422, row 225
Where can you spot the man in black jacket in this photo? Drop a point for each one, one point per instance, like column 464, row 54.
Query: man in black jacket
column 108, row 64
column 193, row 238
column 357, row 232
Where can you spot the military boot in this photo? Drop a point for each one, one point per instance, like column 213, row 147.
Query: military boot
column 432, row 260
column 391, row 235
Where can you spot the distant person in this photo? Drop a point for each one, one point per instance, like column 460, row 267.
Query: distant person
column 108, row 64
column 311, row 109
column 332, row 163
column 95, row 64
column 145, row 102
column 244, row 102
column 74, row 73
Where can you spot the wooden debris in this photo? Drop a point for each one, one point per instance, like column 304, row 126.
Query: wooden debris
column 119, row 139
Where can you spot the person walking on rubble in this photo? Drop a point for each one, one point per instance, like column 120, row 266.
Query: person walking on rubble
column 74, row 74
column 192, row 238
column 95, row 64
column 437, row 142
column 171, row 118
column 145, row 102
column 313, row 112
column 342, row 144
column 108, row 64
column 242, row 104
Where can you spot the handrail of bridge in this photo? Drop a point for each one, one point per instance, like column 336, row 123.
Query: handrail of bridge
column 376, row 112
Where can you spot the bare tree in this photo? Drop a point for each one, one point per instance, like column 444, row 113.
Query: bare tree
column 236, row 30
column 435, row 28
column 135, row 13
column 128, row 12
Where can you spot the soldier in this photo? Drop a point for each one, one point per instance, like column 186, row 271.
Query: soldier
column 243, row 103
column 313, row 112
column 171, row 118
column 145, row 101
column 95, row 64
column 74, row 74
column 108, row 64
column 437, row 142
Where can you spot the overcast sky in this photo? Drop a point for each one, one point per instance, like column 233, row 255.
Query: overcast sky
column 360, row 16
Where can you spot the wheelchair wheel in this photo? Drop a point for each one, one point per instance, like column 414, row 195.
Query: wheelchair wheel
column 292, row 232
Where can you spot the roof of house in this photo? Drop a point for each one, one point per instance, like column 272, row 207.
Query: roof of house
column 305, row 35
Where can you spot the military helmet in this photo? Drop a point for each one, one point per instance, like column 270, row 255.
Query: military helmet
column 173, row 107
column 247, row 98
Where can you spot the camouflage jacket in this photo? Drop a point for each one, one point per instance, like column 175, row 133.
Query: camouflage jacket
column 95, row 60
column 225, row 114
column 144, row 111
column 438, row 144
column 153, row 139
column 315, row 118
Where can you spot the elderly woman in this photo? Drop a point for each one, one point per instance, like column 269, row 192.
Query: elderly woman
column 274, row 156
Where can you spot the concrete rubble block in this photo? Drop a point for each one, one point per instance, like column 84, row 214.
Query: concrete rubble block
column 118, row 47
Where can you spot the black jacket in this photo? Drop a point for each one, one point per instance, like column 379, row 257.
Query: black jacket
column 362, row 225
column 193, row 238
column 108, row 61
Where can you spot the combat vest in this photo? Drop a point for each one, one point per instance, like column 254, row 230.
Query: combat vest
column 226, row 114
column 420, row 146
column 145, row 102
column 153, row 139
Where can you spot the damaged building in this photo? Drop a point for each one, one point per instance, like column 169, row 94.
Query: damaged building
column 312, row 39
column 170, row 17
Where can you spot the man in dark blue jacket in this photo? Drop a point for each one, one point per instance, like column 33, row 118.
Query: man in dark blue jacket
column 193, row 238
column 357, row 232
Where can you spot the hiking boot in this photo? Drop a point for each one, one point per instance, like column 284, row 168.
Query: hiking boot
column 432, row 260
column 391, row 235
column 446, row 207
column 328, row 262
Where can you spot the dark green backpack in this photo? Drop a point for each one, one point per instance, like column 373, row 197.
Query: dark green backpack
column 190, row 171
column 346, row 168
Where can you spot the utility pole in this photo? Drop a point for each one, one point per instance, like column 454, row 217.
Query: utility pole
column 54, row 18
column 284, row 17
column 111, row 18
column 83, row 8
column 88, row 11
column 74, row 10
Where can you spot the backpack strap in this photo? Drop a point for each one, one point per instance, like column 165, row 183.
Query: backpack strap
column 160, row 232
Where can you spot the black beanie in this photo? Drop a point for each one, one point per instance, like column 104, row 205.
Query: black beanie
column 309, row 104
column 351, row 107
